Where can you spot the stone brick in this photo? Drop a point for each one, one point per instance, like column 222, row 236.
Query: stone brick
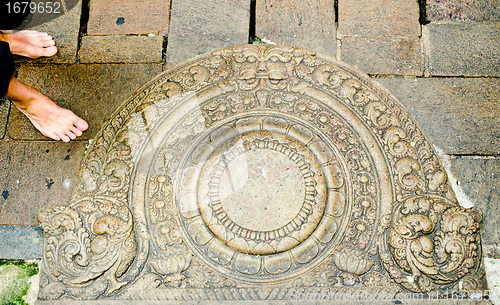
column 21, row 242
column 374, row 18
column 479, row 178
column 197, row 27
column 400, row 56
column 469, row 49
column 294, row 22
column 459, row 115
column 92, row 92
column 128, row 17
column 35, row 175
column 121, row 49
column 460, row 10
column 4, row 114
column 65, row 31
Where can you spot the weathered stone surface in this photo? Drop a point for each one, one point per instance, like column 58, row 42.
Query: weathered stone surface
column 469, row 49
column 197, row 27
column 266, row 168
column 128, row 17
column 21, row 242
column 121, row 49
column 64, row 30
column 4, row 114
column 92, row 92
column 309, row 25
column 378, row 18
column 479, row 177
column 459, row 115
column 462, row 10
column 401, row 298
column 399, row 56
column 36, row 175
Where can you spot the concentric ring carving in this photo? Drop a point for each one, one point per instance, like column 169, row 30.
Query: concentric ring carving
column 252, row 171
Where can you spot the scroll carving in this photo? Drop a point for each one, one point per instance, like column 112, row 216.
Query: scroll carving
column 252, row 172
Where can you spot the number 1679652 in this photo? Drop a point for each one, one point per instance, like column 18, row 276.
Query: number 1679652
column 32, row 7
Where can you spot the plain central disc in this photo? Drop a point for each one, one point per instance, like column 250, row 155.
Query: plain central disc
column 262, row 184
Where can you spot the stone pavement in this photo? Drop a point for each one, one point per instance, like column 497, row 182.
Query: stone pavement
column 442, row 61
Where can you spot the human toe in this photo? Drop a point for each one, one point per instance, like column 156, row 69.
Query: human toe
column 71, row 135
column 49, row 51
column 47, row 42
column 64, row 138
column 76, row 131
column 81, row 124
column 52, row 135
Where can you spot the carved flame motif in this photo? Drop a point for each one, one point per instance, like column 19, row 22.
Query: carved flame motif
column 336, row 187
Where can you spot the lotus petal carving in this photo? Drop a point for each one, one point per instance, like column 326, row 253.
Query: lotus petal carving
column 353, row 263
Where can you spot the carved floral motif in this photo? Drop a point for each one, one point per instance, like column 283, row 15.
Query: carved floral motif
column 146, row 222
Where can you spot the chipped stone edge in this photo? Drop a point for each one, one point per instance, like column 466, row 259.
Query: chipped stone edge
column 462, row 197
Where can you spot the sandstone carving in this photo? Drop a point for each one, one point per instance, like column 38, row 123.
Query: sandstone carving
column 252, row 172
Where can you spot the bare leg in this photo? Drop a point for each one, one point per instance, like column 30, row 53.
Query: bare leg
column 30, row 44
column 51, row 120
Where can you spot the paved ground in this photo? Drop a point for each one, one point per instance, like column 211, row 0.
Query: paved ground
column 441, row 61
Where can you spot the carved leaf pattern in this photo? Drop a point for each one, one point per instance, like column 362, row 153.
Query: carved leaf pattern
column 101, row 242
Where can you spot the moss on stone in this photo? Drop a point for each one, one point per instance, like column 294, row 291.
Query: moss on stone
column 14, row 283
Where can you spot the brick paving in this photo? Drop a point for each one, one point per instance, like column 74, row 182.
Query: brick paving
column 445, row 73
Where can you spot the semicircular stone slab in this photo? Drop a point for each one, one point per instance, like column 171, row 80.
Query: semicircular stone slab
column 253, row 172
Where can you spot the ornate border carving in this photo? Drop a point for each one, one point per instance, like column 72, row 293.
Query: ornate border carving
column 130, row 232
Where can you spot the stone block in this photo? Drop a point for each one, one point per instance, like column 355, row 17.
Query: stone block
column 374, row 18
column 294, row 22
column 399, row 56
column 128, row 17
column 197, row 27
column 459, row 115
column 92, row 92
column 65, row 31
column 35, row 175
column 479, row 178
column 460, row 10
column 21, row 242
column 464, row 49
column 121, row 49
column 4, row 114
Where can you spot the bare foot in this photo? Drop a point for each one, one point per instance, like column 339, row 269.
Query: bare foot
column 51, row 120
column 30, row 44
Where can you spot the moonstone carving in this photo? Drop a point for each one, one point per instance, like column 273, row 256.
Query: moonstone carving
column 253, row 172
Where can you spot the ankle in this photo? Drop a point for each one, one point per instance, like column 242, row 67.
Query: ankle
column 6, row 36
column 21, row 95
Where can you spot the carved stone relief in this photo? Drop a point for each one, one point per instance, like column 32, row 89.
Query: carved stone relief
column 253, row 172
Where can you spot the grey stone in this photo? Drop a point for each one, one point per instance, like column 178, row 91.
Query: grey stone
column 64, row 30
column 197, row 27
column 21, row 242
column 35, row 175
column 121, row 49
column 459, row 115
column 460, row 10
column 92, row 92
column 375, row 18
column 4, row 114
column 293, row 22
column 121, row 17
column 399, row 56
column 464, row 49
column 479, row 178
